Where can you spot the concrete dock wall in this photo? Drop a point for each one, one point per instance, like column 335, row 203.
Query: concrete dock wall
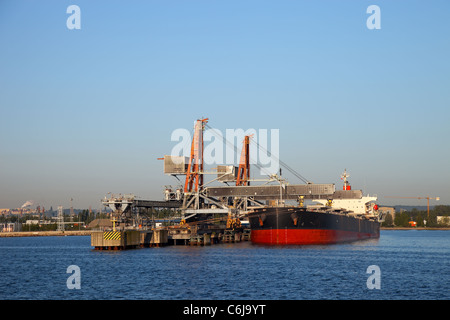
column 112, row 240
column 45, row 233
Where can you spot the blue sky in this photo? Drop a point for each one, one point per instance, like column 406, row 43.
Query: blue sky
column 86, row 112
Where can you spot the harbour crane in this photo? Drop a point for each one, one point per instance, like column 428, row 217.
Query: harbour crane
column 428, row 201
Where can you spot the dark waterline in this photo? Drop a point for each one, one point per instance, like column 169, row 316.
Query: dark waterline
column 414, row 265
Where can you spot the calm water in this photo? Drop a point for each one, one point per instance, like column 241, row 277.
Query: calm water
column 414, row 265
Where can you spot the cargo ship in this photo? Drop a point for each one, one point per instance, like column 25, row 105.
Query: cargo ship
column 336, row 216
column 348, row 216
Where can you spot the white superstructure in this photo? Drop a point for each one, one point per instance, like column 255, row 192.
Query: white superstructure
column 364, row 205
column 360, row 206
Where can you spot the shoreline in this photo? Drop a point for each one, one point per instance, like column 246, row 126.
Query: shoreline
column 45, row 233
column 416, row 228
column 88, row 232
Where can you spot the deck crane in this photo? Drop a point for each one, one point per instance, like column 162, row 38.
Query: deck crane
column 428, row 201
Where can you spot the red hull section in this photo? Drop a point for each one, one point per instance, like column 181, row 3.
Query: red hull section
column 306, row 236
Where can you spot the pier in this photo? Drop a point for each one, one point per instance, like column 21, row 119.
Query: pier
column 206, row 212
column 133, row 239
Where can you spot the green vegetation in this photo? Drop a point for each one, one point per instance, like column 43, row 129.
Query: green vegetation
column 402, row 219
column 49, row 224
column 83, row 216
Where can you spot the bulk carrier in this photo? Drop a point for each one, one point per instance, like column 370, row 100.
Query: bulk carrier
column 349, row 216
column 273, row 207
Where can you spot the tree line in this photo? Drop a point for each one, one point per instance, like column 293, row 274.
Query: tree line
column 49, row 224
column 421, row 217
column 83, row 217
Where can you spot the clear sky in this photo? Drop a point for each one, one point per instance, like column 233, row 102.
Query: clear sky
column 86, row 112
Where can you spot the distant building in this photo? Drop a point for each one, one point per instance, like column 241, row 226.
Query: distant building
column 10, row 227
column 443, row 220
column 100, row 224
column 386, row 210
column 29, row 222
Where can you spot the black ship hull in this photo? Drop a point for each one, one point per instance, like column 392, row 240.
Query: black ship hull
column 300, row 226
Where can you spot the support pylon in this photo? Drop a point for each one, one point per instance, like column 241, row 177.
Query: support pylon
column 244, row 164
column 194, row 175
